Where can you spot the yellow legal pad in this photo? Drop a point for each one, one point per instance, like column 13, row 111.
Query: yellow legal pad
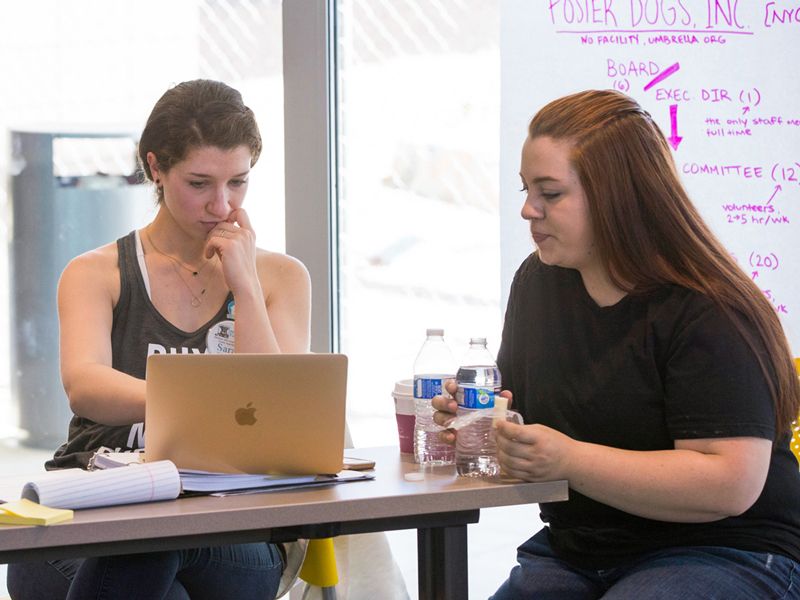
column 25, row 512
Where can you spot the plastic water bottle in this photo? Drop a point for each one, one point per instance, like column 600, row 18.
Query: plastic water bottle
column 434, row 365
column 478, row 383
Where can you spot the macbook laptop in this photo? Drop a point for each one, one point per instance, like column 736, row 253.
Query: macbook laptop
column 247, row 413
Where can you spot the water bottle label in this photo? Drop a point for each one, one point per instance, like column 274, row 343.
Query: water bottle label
column 427, row 387
column 476, row 397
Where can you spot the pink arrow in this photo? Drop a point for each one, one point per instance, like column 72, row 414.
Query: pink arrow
column 662, row 76
column 778, row 188
column 674, row 138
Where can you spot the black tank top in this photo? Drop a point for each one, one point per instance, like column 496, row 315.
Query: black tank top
column 138, row 330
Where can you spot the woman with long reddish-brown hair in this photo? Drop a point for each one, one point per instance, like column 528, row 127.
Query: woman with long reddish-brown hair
column 652, row 374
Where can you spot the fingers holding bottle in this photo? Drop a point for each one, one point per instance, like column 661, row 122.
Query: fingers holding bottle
column 445, row 405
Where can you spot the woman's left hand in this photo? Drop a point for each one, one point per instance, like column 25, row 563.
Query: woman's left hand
column 234, row 241
column 533, row 452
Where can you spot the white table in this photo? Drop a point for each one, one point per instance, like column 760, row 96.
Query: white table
column 439, row 507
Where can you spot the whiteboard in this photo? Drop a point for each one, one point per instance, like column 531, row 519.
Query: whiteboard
column 721, row 79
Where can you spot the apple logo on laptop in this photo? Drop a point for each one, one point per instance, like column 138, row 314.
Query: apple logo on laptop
column 246, row 415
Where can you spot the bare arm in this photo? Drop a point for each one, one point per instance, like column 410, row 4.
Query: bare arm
column 281, row 321
column 289, row 302
column 87, row 292
column 700, row 480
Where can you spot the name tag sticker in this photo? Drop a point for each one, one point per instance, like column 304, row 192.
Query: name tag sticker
column 220, row 338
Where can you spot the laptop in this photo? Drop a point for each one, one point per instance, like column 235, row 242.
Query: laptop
column 247, row 413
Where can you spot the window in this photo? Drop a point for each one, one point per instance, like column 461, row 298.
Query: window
column 418, row 147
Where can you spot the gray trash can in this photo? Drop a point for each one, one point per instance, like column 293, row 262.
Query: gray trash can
column 56, row 216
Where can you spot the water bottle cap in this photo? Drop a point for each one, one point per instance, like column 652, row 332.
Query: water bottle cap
column 478, row 340
column 430, row 332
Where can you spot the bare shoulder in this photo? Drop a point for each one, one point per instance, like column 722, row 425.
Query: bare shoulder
column 280, row 265
column 280, row 271
column 95, row 270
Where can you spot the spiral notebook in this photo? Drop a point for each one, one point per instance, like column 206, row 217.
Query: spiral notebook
column 247, row 413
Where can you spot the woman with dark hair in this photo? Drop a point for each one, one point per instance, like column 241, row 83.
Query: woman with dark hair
column 178, row 285
column 652, row 374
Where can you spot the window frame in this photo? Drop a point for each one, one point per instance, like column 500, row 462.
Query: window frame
column 311, row 168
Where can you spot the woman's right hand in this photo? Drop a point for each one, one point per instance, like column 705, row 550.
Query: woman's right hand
column 446, row 410
column 234, row 241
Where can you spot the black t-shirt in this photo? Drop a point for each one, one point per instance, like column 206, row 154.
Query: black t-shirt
column 638, row 375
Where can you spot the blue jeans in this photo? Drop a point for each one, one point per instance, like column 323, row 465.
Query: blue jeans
column 685, row 573
column 239, row 571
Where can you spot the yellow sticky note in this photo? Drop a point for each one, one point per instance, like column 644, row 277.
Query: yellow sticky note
column 25, row 512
